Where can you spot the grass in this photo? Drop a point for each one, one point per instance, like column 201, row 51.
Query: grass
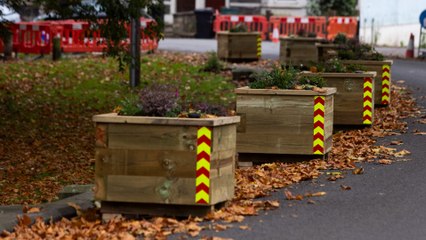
column 46, row 131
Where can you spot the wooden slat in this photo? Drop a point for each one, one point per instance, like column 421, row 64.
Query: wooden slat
column 249, row 91
column 144, row 189
column 114, row 118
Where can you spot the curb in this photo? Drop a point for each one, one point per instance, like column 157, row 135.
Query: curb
column 48, row 211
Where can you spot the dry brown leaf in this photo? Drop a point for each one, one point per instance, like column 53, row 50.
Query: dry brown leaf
column 316, row 194
column 244, row 227
column 25, row 220
column 396, row 143
column 420, row 133
column 402, row 153
column 385, row 161
column 310, row 201
column 358, row 171
column 344, row 187
column 220, row 227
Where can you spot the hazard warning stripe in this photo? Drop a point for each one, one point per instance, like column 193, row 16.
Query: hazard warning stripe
column 259, row 46
column 386, row 77
column 318, row 134
column 367, row 117
column 202, row 175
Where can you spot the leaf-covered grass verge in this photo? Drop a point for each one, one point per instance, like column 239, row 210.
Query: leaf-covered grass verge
column 46, row 131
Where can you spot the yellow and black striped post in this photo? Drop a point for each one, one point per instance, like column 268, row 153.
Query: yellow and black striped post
column 386, row 76
column 202, row 181
column 259, row 46
column 319, row 113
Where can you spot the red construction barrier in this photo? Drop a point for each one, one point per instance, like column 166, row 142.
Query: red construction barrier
column 292, row 25
column 346, row 25
column 34, row 37
column 1, row 46
column 253, row 23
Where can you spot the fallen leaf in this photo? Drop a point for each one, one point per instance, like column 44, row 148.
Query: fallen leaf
column 396, row 143
column 25, row 220
column 220, row 227
column 420, row 133
column 402, row 153
column 244, row 227
column 344, row 187
column 385, row 161
column 33, row 210
column 317, row 194
column 358, row 171
column 310, row 201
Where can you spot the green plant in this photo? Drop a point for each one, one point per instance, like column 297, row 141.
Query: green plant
column 340, row 39
column 311, row 81
column 332, row 65
column 213, row 63
column 130, row 106
column 240, row 27
column 354, row 50
column 277, row 78
column 355, row 68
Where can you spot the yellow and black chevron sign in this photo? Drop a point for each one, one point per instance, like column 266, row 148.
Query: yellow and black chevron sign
column 386, row 76
column 259, row 47
column 202, row 180
column 368, row 101
column 319, row 112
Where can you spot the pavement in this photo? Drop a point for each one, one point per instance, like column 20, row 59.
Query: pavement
column 387, row 202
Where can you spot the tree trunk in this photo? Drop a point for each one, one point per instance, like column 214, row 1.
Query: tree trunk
column 8, row 47
column 135, row 52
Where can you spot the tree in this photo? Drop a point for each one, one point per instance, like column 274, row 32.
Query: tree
column 332, row 7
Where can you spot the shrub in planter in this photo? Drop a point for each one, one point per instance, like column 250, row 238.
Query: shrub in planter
column 284, row 114
column 355, row 91
column 171, row 154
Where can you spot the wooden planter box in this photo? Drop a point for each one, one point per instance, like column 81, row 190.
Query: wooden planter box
column 239, row 45
column 383, row 78
column 299, row 50
column 164, row 161
column 353, row 103
column 285, row 121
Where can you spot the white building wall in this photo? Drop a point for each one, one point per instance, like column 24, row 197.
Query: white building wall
column 394, row 21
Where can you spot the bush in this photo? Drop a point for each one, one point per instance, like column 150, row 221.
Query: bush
column 213, row 63
column 240, row 27
column 159, row 100
column 354, row 50
column 277, row 78
column 312, row 81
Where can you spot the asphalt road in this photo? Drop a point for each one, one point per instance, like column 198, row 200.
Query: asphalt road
column 386, row 202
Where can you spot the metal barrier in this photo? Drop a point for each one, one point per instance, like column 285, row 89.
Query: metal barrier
column 346, row 25
column 253, row 23
column 292, row 25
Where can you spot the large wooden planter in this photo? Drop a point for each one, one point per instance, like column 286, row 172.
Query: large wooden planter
column 299, row 50
column 382, row 84
column 164, row 161
column 239, row 46
column 285, row 121
column 353, row 103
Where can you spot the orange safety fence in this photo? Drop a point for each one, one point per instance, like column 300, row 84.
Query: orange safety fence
column 346, row 25
column 287, row 26
column 76, row 36
column 253, row 23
